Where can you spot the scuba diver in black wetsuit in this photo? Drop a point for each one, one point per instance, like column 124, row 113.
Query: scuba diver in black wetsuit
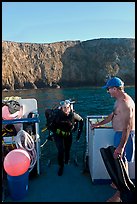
column 62, row 127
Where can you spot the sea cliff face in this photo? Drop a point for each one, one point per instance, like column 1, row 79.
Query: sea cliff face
column 67, row 63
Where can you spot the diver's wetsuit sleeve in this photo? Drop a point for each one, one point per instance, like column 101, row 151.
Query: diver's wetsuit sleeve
column 77, row 117
column 81, row 123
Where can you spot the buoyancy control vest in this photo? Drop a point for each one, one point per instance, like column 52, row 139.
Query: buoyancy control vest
column 57, row 119
column 11, row 110
column 12, row 105
column 65, row 122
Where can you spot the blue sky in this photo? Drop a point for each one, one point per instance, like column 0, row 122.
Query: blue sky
column 48, row 22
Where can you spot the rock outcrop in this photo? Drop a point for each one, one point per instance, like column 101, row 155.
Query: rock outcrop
column 67, row 63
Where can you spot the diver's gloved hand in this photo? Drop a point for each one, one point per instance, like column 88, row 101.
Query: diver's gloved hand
column 79, row 129
column 78, row 135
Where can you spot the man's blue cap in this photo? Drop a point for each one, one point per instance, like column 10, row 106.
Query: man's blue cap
column 113, row 82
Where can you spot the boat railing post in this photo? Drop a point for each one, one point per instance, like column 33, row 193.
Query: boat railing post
column 87, row 135
column 38, row 147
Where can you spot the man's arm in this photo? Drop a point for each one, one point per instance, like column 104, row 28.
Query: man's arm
column 106, row 120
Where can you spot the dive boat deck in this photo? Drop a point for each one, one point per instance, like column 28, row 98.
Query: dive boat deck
column 72, row 186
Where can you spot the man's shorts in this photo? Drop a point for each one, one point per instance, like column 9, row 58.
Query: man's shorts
column 129, row 151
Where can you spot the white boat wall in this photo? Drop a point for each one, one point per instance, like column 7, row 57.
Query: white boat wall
column 97, row 138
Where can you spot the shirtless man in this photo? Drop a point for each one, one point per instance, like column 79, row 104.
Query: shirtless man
column 123, row 122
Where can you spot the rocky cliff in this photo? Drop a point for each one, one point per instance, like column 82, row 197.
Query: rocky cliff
column 68, row 63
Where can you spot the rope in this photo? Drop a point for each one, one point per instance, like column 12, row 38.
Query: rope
column 25, row 141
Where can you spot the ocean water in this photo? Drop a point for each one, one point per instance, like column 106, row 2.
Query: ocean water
column 88, row 101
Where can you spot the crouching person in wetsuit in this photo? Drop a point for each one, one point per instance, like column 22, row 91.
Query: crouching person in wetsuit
column 64, row 125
